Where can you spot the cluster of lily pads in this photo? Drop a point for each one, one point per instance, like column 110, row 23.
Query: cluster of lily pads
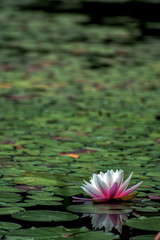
column 76, row 99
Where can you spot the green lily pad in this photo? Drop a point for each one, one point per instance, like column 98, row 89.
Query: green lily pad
column 44, row 197
column 100, row 235
column 10, row 197
column 39, row 181
column 2, row 233
column 9, row 226
column 100, row 208
column 42, row 202
column 146, row 209
column 144, row 237
column 10, row 210
column 45, row 216
column 44, row 233
column 10, row 189
column 68, row 191
column 144, row 223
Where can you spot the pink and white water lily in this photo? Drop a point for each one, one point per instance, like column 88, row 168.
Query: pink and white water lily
column 109, row 185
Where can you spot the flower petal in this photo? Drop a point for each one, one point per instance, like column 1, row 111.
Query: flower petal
column 119, row 179
column 101, row 186
column 81, row 199
column 113, row 190
column 130, row 189
column 108, row 178
column 91, row 191
column 123, row 186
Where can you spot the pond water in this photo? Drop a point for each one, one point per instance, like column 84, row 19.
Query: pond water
column 76, row 98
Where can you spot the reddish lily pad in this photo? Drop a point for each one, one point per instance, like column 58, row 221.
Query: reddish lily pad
column 153, row 197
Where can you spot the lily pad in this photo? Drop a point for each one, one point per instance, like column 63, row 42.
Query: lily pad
column 144, row 223
column 10, row 210
column 100, row 235
column 39, row 181
column 100, row 208
column 44, row 233
column 45, row 216
column 9, row 226
column 42, row 202
column 68, row 191
column 10, row 197
column 144, row 237
column 146, row 209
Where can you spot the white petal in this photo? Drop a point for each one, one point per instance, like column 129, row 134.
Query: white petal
column 119, row 179
column 101, row 175
column 130, row 190
column 108, row 179
column 101, row 186
column 88, row 192
column 91, row 190
column 113, row 190
column 125, row 184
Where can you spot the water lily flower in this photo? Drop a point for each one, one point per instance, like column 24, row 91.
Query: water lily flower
column 109, row 185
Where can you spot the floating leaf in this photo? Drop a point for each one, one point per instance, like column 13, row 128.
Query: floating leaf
column 11, row 189
column 42, row 202
column 10, row 197
column 84, row 151
column 100, row 235
column 153, row 197
column 39, row 180
column 69, row 155
column 19, row 147
column 146, row 209
column 144, row 237
column 100, row 208
column 44, row 233
column 144, row 223
column 68, row 191
column 26, row 188
column 10, row 210
column 9, row 226
column 6, row 85
column 45, row 216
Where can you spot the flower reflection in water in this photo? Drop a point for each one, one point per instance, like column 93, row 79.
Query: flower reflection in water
column 107, row 221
